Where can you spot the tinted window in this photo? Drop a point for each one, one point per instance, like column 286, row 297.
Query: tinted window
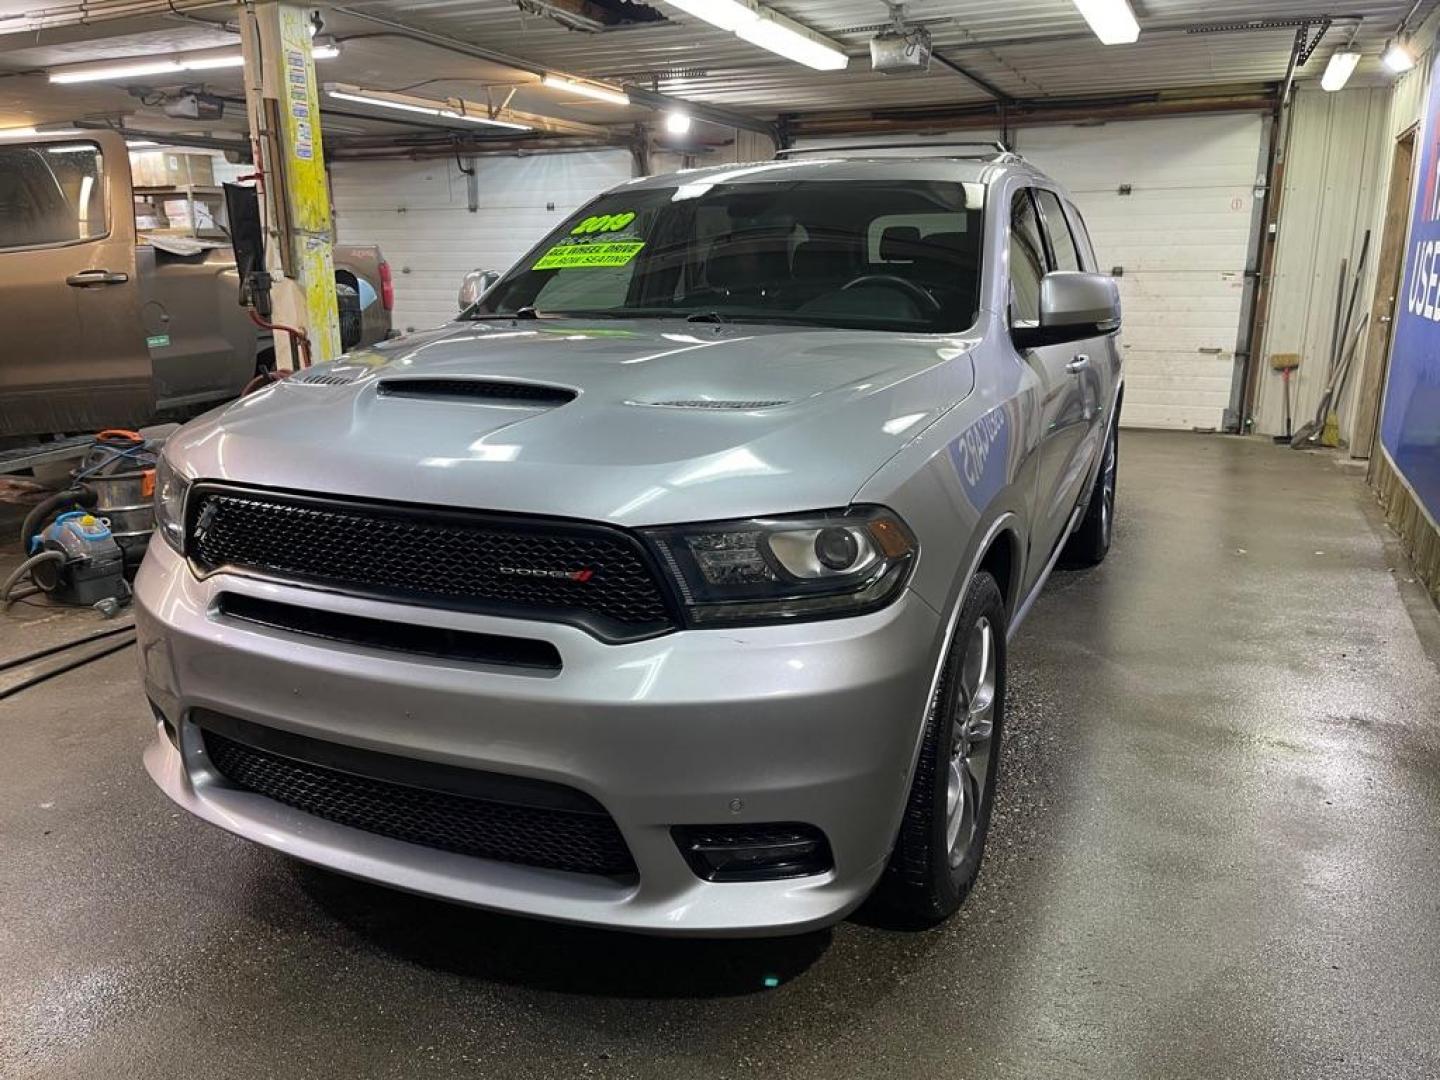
column 1027, row 261
column 891, row 255
column 1062, row 244
column 51, row 194
column 1082, row 236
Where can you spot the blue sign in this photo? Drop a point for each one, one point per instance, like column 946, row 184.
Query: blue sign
column 1410, row 426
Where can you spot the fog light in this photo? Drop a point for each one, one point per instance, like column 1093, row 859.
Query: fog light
column 764, row 852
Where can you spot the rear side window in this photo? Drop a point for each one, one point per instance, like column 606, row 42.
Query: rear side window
column 1027, row 261
column 51, row 193
column 1062, row 243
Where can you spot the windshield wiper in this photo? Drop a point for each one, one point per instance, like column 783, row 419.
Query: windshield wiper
column 706, row 316
column 527, row 312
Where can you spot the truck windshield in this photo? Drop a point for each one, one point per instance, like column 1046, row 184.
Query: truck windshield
column 879, row 255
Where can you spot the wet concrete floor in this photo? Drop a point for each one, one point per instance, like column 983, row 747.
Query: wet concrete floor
column 1214, row 856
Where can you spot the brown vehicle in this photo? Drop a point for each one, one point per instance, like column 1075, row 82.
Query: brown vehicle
column 108, row 325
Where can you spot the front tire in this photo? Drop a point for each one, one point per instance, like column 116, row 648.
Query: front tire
column 1090, row 542
column 942, row 837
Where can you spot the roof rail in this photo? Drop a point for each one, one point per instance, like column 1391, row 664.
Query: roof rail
column 994, row 148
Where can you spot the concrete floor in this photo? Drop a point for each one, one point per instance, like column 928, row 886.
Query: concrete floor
column 1214, row 856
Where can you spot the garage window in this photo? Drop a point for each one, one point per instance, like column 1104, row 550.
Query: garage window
column 51, row 193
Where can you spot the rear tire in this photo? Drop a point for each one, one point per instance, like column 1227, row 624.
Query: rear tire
column 1090, row 542
column 942, row 837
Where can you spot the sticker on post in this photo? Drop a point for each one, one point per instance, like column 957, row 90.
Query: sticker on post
column 576, row 256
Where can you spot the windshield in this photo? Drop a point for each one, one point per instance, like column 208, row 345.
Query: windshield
column 880, row 255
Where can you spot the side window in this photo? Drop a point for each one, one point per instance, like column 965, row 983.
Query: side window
column 1067, row 256
column 1082, row 237
column 1027, row 261
column 51, row 193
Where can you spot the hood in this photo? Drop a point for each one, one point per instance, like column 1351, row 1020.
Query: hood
column 635, row 422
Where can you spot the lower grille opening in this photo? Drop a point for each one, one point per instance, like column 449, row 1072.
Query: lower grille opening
column 436, row 641
column 486, row 815
column 766, row 851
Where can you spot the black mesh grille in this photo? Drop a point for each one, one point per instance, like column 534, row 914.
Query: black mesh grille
column 586, row 843
column 596, row 577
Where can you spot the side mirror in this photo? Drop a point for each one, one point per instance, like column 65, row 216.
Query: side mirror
column 476, row 284
column 1073, row 305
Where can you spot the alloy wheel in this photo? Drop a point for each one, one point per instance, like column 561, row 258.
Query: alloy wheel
column 972, row 729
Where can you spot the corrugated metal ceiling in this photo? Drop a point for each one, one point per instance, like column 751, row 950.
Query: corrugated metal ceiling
column 692, row 59
column 1028, row 48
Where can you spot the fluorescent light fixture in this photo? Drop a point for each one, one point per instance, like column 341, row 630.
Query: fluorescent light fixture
column 726, row 14
column 1112, row 20
column 1398, row 57
column 591, row 90
column 677, row 122
column 141, row 144
column 203, row 61
column 789, row 39
column 18, row 133
column 116, row 71
column 71, row 148
column 207, row 63
column 443, row 111
column 1339, row 69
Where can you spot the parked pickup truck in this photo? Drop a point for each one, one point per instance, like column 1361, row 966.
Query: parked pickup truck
column 108, row 324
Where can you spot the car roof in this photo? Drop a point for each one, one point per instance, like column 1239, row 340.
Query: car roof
column 930, row 167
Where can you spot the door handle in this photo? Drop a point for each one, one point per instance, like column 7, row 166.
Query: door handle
column 86, row 279
column 1078, row 363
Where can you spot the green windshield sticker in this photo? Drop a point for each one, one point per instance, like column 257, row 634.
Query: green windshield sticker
column 573, row 256
column 603, row 223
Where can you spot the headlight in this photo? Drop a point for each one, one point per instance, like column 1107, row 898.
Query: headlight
column 774, row 569
column 170, row 491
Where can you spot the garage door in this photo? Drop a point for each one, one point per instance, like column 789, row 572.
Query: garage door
column 1169, row 203
column 418, row 212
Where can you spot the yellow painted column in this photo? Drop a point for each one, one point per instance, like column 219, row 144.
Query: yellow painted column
column 283, row 104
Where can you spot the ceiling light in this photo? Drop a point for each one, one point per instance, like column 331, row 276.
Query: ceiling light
column 1398, row 56
column 325, row 50
column 789, row 39
column 677, row 122
column 116, row 71
column 726, row 14
column 443, row 111
column 140, row 144
column 207, row 63
column 1112, row 20
column 591, row 90
column 1339, row 69
column 18, row 133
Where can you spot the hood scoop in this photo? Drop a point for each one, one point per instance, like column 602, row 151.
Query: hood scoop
column 480, row 392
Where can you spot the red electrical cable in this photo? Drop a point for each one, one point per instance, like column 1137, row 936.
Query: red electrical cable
column 297, row 337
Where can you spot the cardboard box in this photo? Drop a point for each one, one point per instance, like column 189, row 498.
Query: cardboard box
column 168, row 168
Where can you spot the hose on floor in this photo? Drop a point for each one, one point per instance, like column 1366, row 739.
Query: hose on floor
column 23, row 569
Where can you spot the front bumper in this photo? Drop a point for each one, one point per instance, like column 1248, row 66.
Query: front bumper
column 816, row 722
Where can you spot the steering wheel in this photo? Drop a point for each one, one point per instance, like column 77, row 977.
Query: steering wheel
column 915, row 292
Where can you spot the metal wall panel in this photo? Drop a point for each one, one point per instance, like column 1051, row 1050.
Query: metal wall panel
column 1336, row 161
column 417, row 211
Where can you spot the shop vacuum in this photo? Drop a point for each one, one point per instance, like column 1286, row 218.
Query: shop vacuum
column 84, row 544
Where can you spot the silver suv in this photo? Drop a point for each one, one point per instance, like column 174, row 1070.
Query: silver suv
column 669, row 587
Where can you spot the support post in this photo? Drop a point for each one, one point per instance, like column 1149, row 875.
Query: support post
column 283, row 106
